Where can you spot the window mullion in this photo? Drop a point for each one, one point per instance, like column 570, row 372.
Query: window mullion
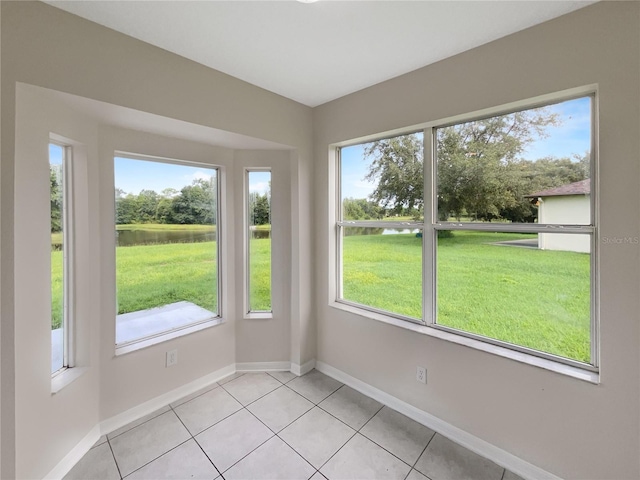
column 429, row 236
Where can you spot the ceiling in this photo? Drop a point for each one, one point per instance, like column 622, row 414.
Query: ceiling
column 317, row 52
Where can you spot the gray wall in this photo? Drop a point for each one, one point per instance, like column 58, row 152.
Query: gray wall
column 569, row 427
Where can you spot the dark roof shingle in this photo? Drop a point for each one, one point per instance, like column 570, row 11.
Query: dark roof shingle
column 583, row 187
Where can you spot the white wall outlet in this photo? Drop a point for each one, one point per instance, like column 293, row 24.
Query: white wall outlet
column 172, row 358
column 421, row 375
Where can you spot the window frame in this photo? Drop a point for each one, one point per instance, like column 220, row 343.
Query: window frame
column 68, row 263
column 248, row 312
column 431, row 226
column 175, row 332
column 341, row 224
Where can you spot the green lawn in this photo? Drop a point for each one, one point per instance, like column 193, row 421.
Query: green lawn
column 530, row 297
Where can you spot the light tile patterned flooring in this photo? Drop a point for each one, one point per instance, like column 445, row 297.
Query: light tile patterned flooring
column 278, row 426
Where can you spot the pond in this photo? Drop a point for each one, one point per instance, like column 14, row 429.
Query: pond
column 350, row 231
column 127, row 238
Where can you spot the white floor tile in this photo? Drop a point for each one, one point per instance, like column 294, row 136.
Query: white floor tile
column 274, row 460
column 98, row 463
column 416, row 475
column 317, row 436
column 398, row 434
column 185, row 461
column 137, row 422
column 350, row 406
column 446, row 460
column 251, row 386
column 193, row 395
column 280, row 407
column 207, row 409
column 228, row 378
column 283, row 377
column 511, row 476
column 148, row 441
column 100, row 441
column 360, row 458
column 231, row 439
column 314, row 386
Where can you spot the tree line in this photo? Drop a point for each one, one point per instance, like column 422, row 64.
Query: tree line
column 480, row 172
column 194, row 204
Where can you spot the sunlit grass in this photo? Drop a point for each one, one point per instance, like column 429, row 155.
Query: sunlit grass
column 534, row 298
column 530, row 297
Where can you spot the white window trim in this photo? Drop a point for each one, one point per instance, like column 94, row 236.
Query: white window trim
column 68, row 247
column 217, row 319
column 566, row 366
column 248, row 313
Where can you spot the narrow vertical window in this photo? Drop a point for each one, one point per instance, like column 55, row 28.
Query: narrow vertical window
column 59, row 194
column 167, row 248
column 259, row 241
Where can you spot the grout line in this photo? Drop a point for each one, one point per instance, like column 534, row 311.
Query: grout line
column 420, row 456
column 161, row 455
column 503, row 474
column 114, row 458
column 194, row 438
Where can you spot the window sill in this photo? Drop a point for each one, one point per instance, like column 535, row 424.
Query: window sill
column 66, row 377
column 145, row 328
column 258, row 315
column 550, row 365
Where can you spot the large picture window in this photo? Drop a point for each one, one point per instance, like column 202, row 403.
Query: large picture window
column 167, row 265
column 505, row 216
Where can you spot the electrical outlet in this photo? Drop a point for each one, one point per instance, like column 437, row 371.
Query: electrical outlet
column 172, row 358
column 421, row 375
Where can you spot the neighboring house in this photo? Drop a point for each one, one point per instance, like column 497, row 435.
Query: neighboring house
column 567, row 204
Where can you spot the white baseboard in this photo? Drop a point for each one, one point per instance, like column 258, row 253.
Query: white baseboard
column 501, row 457
column 300, row 370
column 68, row 462
column 128, row 416
column 263, row 367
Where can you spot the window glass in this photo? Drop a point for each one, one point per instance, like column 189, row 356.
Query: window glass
column 166, row 254
column 502, row 168
column 383, row 180
column 382, row 269
column 503, row 286
column 56, row 190
column 259, row 240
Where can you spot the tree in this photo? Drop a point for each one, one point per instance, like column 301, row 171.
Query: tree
column 196, row 203
column 479, row 172
column 397, row 167
column 55, row 189
column 259, row 209
column 361, row 209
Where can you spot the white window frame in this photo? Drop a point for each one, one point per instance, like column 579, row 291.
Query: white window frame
column 171, row 333
column 248, row 312
column 341, row 224
column 431, row 226
column 68, row 268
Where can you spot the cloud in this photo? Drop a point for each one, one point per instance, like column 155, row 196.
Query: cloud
column 259, row 187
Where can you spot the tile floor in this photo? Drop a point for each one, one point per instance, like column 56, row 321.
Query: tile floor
column 278, row 426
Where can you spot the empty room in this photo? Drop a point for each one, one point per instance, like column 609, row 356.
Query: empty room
column 320, row 240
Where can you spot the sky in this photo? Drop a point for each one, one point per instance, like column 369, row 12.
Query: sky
column 132, row 176
column 571, row 137
column 55, row 154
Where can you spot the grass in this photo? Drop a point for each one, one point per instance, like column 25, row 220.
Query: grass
column 529, row 297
